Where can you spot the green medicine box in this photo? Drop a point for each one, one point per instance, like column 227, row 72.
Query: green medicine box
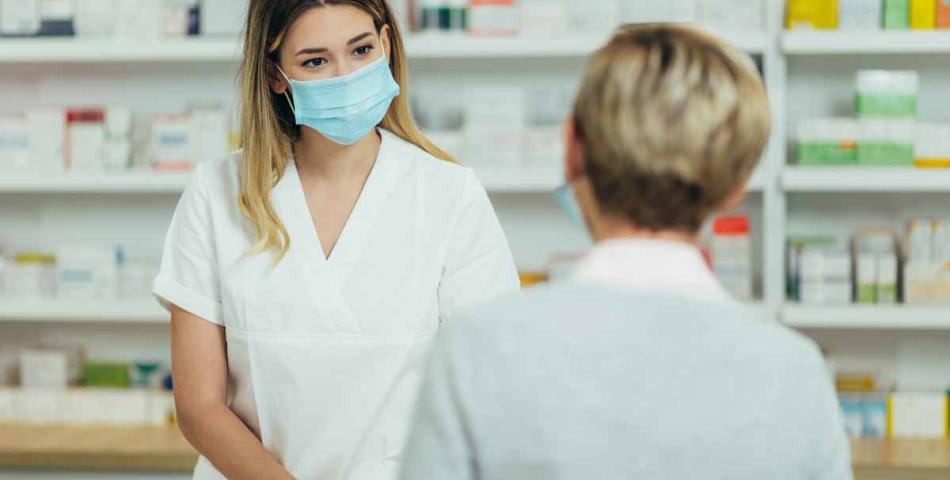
column 896, row 14
column 106, row 375
column 885, row 105
column 827, row 153
column 885, row 154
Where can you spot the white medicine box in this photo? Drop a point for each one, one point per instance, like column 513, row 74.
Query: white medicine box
column 918, row 415
column 44, row 369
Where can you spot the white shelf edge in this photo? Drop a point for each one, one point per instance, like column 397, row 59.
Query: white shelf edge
column 868, row 317
column 865, row 179
column 427, row 46
column 881, row 42
column 130, row 182
column 145, row 311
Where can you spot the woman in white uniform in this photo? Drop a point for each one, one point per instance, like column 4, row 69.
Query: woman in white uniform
column 307, row 274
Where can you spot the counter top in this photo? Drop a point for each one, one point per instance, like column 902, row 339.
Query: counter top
column 95, row 448
column 166, row 450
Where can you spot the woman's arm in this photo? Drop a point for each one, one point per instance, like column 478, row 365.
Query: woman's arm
column 200, row 371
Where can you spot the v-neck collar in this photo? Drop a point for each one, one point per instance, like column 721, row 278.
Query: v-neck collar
column 355, row 231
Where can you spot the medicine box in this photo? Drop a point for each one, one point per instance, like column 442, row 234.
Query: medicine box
column 812, row 14
column 885, row 142
column 87, row 272
column 943, row 14
column 917, row 415
column 47, row 138
column 923, row 14
column 494, row 17
column 859, row 14
column 733, row 14
column 932, row 145
column 19, row 18
column 44, row 369
column 831, row 141
column 887, row 93
column 896, row 14
column 647, row 11
column 14, row 143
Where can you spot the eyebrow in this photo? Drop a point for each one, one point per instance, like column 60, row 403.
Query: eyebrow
column 310, row 51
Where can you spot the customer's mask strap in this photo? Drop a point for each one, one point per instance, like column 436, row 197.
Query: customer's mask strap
column 289, row 102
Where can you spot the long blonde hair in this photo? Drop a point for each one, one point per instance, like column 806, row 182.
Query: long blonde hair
column 268, row 127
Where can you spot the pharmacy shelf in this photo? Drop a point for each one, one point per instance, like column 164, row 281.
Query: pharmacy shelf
column 901, row 458
column 867, row 317
column 869, row 42
column 865, row 179
column 70, row 50
column 144, row 311
column 429, row 46
column 132, row 182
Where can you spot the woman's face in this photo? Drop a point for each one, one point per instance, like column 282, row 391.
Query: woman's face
column 330, row 41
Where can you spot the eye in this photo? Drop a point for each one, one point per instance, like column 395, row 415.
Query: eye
column 363, row 51
column 314, row 62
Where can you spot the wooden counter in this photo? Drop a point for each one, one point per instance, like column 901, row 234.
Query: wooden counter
column 901, row 459
column 166, row 450
column 95, row 448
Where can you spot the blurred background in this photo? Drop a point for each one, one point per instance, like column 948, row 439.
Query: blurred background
column 106, row 105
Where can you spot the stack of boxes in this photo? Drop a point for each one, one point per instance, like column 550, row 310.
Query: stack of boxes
column 876, row 270
column 868, row 14
column 820, row 271
column 884, row 132
column 927, row 261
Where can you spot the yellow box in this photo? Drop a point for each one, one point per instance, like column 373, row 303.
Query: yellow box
column 814, row 14
column 923, row 14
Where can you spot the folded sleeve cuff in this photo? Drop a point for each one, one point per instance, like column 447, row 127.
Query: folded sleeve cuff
column 168, row 292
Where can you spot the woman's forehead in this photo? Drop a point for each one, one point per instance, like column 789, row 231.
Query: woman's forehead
column 330, row 27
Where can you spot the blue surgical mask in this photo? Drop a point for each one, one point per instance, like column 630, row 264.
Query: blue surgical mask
column 345, row 109
column 565, row 198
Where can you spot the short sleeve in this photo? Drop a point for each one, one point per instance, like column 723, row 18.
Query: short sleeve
column 479, row 265
column 188, row 275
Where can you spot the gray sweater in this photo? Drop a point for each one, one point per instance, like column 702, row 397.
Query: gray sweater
column 573, row 381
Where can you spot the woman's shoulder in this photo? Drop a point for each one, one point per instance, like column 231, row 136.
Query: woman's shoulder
column 437, row 173
column 422, row 160
column 218, row 177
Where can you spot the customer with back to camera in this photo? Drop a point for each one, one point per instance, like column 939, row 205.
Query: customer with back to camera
column 640, row 365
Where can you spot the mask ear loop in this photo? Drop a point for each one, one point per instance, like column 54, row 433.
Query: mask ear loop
column 289, row 102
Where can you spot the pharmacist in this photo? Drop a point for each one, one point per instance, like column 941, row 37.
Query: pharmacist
column 641, row 365
column 308, row 275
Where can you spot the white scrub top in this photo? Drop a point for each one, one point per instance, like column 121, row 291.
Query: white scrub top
column 325, row 356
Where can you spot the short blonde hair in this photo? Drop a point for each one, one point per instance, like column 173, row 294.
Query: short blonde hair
column 673, row 122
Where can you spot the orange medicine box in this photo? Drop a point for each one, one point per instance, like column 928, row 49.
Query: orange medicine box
column 943, row 14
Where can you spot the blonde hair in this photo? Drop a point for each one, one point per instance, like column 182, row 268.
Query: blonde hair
column 673, row 121
column 268, row 126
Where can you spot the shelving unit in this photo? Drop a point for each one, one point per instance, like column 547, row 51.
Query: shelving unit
column 865, row 179
column 33, row 51
column 865, row 42
column 144, row 311
column 867, row 317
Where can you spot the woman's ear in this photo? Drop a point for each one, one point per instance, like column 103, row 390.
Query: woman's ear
column 384, row 39
column 278, row 84
column 573, row 152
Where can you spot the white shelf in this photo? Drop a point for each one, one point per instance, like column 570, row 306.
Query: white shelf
column 867, row 42
column 82, row 311
column 42, row 50
column 132, row 182
column 870, row 317
column 865, row 179
column 431, row 46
